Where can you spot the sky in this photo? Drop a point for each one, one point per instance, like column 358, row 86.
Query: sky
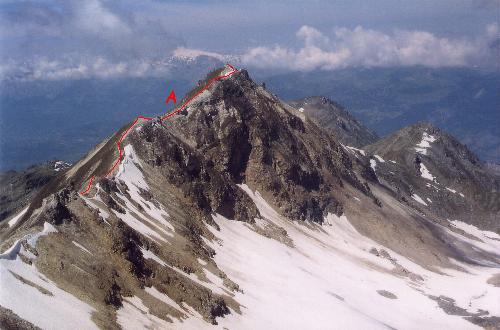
column 51, row 39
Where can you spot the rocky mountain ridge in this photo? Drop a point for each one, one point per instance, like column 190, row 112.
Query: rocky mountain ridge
column 209, row 211
column 333, row 117
column 438, row 171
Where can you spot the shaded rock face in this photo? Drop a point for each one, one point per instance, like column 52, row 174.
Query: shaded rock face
column 197, row 177
column 242, row 134
column 18, row 188
column 450, row 179
column 334, row 118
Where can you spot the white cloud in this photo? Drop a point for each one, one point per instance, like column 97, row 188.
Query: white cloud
column 366, row 47
column 81, row 68
column 190, row 53
column 91, row 16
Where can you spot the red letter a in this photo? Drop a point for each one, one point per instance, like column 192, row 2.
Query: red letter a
column 171, row 97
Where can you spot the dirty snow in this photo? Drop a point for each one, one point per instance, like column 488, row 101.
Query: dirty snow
column 418, row 199
column 91, row 203
column 215, row 283
column 81, row 247
column 60, row 165
column 147, row 254
column 133, row 178
column 430, row 185
column 425, row 143
column 54, row 309
column 202, row 262
column 17, row 217
column 164, row 298
column 424, row 172
column 47, row 229
column 135, row 315
column 490, row 241
column 151, row 221
column 362, row 152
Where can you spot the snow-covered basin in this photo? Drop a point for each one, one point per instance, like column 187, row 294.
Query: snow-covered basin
column 329, row 280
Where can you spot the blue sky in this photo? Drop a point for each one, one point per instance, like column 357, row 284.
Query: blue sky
column 84, row 37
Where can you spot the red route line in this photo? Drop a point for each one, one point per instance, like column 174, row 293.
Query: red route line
column 86, row 191
column 118, row 144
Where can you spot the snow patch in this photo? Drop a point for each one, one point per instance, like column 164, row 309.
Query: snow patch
column 81, row 247
column 133, row 178
column 362, row 152
column 42, row 302
column 164, row 298
column 215, row 284
column 147, row 254
column 380, row 159
column 151, row 219
column 47, row 229
column 424, row 172
column 425, row 143
column 329, row 271
column 60, row 165
column 18, row 217
column 418, row 199
column 489, row 240
column 135, row 315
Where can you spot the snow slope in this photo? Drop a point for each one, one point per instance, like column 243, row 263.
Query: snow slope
column 33, row 296
column 329, row 279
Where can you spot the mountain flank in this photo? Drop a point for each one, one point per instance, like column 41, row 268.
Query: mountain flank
column 241, row 201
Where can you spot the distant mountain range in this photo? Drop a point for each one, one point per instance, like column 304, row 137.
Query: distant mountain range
column 464, row 102
column 46, row 120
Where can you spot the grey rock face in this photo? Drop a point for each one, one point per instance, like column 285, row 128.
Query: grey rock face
column 334, row 118
column 248, row 136
column 425, row 161
column 17, row 188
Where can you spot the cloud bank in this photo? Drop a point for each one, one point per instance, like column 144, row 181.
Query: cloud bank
column 75, row 39
column 371, row 48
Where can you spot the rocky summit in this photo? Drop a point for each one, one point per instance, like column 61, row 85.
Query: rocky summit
column 242, row 212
